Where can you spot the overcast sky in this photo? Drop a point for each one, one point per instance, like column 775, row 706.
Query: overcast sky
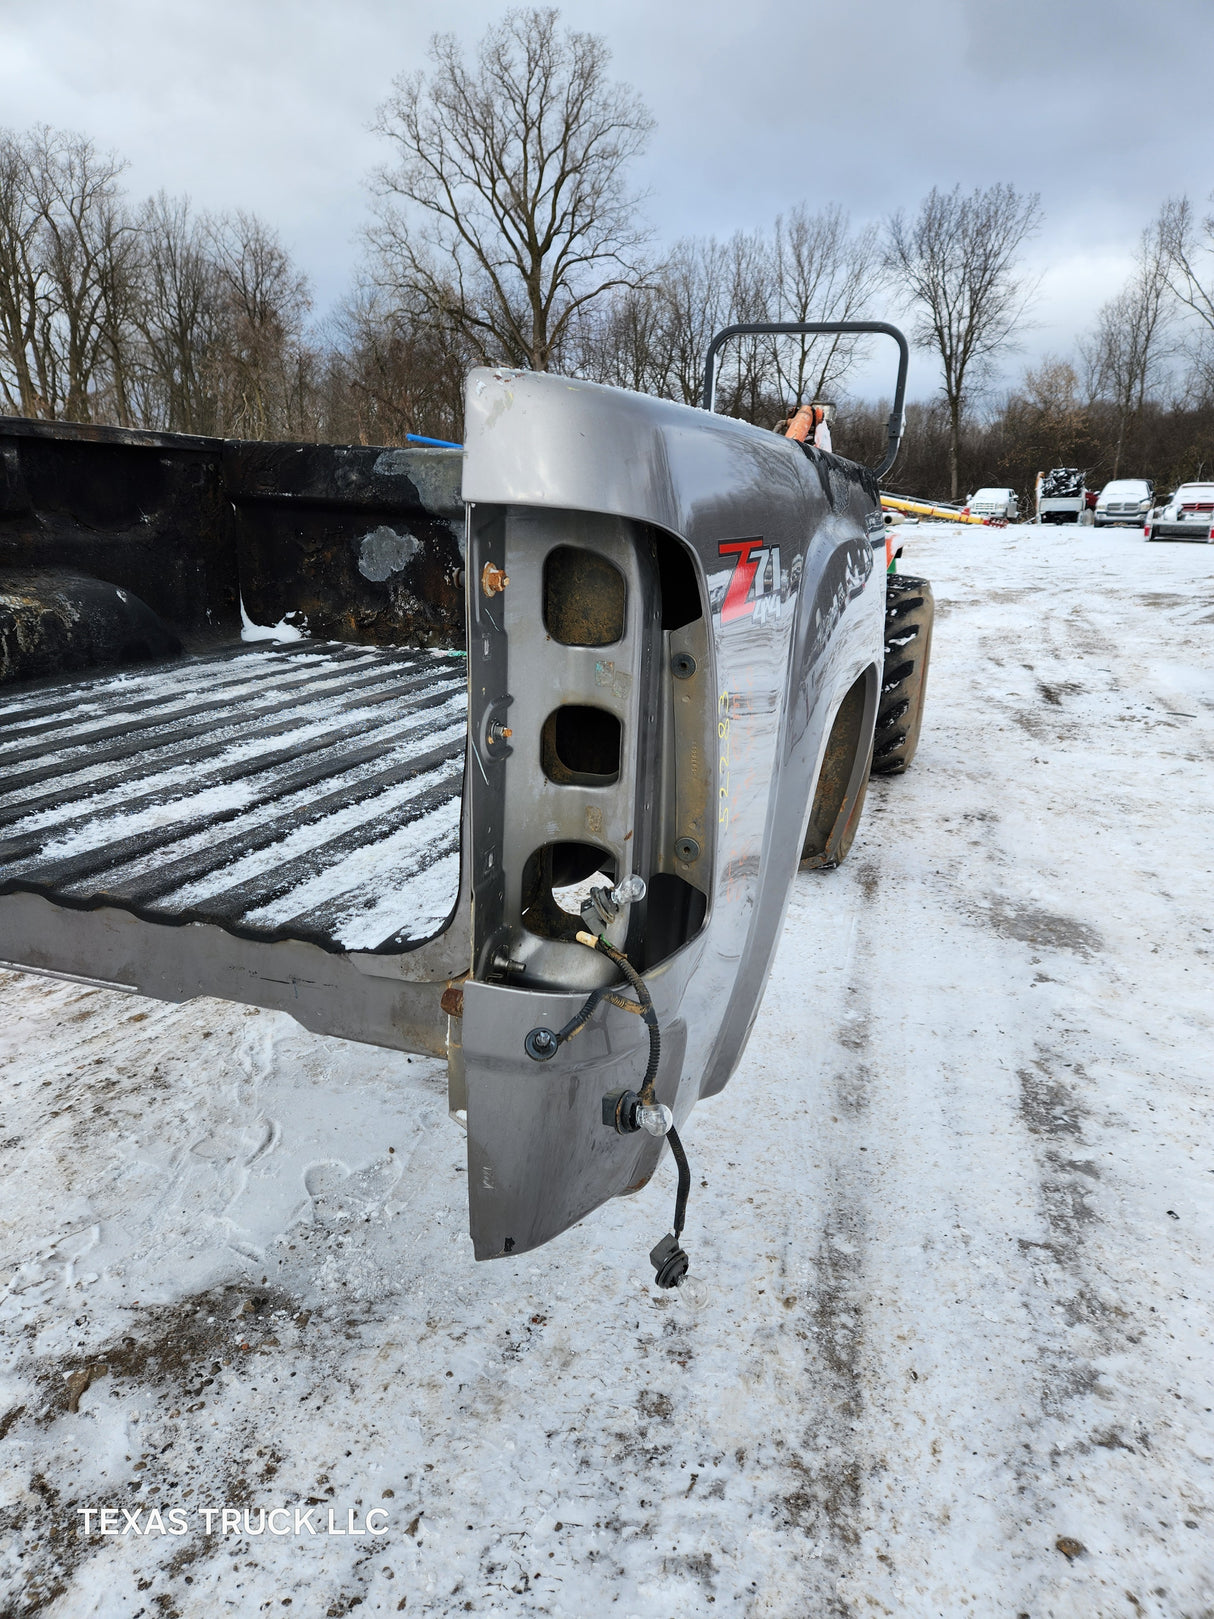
column 1100, row 105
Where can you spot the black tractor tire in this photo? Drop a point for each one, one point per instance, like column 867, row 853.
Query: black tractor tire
column 910, row 611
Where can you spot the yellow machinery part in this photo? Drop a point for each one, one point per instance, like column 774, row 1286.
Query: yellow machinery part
column 921, row 509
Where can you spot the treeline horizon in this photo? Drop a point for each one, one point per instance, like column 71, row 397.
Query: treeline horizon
column 157, row 315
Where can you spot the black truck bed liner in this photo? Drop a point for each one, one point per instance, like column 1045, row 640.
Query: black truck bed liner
column 309, row 790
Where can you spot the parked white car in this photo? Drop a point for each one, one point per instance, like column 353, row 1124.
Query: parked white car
column 1125, row 500
column 1189, row 515
column 994, row 503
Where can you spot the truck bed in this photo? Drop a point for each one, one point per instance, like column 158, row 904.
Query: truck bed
column 309, row 790
column 680, row 685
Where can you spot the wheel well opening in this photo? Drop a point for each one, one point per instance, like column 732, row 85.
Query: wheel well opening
column 841, row 780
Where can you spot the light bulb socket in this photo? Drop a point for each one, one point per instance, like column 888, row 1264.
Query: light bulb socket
column 620, row 1110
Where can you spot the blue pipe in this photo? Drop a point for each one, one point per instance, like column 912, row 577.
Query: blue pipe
column 436, row 443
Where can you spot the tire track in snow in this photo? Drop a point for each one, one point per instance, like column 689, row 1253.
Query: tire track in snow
column 1082, row 1439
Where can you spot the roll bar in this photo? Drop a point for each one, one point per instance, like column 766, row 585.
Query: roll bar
column 795, row 328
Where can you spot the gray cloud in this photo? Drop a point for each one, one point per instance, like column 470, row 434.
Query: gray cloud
column 265, row 104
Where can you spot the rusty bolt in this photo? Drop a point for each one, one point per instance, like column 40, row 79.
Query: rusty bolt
column 500, row 732
column 493, row 580
column 452, row 1002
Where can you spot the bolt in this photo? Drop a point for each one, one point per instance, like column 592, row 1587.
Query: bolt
column 493, row 580
column 682, row 666
column 540, row 1044
column 686, row 850
column 500, row 732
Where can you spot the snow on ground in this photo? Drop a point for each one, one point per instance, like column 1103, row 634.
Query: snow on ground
column 956, row 1212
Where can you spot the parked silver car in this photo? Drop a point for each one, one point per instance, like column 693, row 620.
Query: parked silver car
column 1189, row 515
column 1125, row 500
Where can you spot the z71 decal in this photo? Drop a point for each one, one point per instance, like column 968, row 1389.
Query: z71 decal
column 749, row 586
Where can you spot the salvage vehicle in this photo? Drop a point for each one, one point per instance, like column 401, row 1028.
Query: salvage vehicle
column 1125, row 500
column 506, row 753
column 1061, row 495
column 1188, row 515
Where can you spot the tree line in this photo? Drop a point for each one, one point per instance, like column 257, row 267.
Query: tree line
column 505, row 230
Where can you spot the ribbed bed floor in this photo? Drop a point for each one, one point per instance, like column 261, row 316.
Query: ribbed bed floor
column 311, row 790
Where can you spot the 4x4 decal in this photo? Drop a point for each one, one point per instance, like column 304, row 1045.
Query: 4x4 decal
column 748, row 582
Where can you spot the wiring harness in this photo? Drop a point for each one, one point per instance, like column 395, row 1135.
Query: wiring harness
column 627, row 1110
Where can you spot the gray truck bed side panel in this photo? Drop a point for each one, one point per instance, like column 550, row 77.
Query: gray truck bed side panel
column 780, row 659
column 324, row 991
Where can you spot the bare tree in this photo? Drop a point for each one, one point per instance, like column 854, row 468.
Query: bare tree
column 1051, row 394
column 21, row 278
column 693, row 290
column 87, row 247
column 627, row 341
column 118, row 271
column 745, row 383
column 393, row 371
column 259, row 367
column 957, row 262
column 653, row 337
column 820, row 270
column 1126, row 355
column 512, row 174
column 1188, row 249
column 180, row 316
column 66, row 269
column 1185, row 240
